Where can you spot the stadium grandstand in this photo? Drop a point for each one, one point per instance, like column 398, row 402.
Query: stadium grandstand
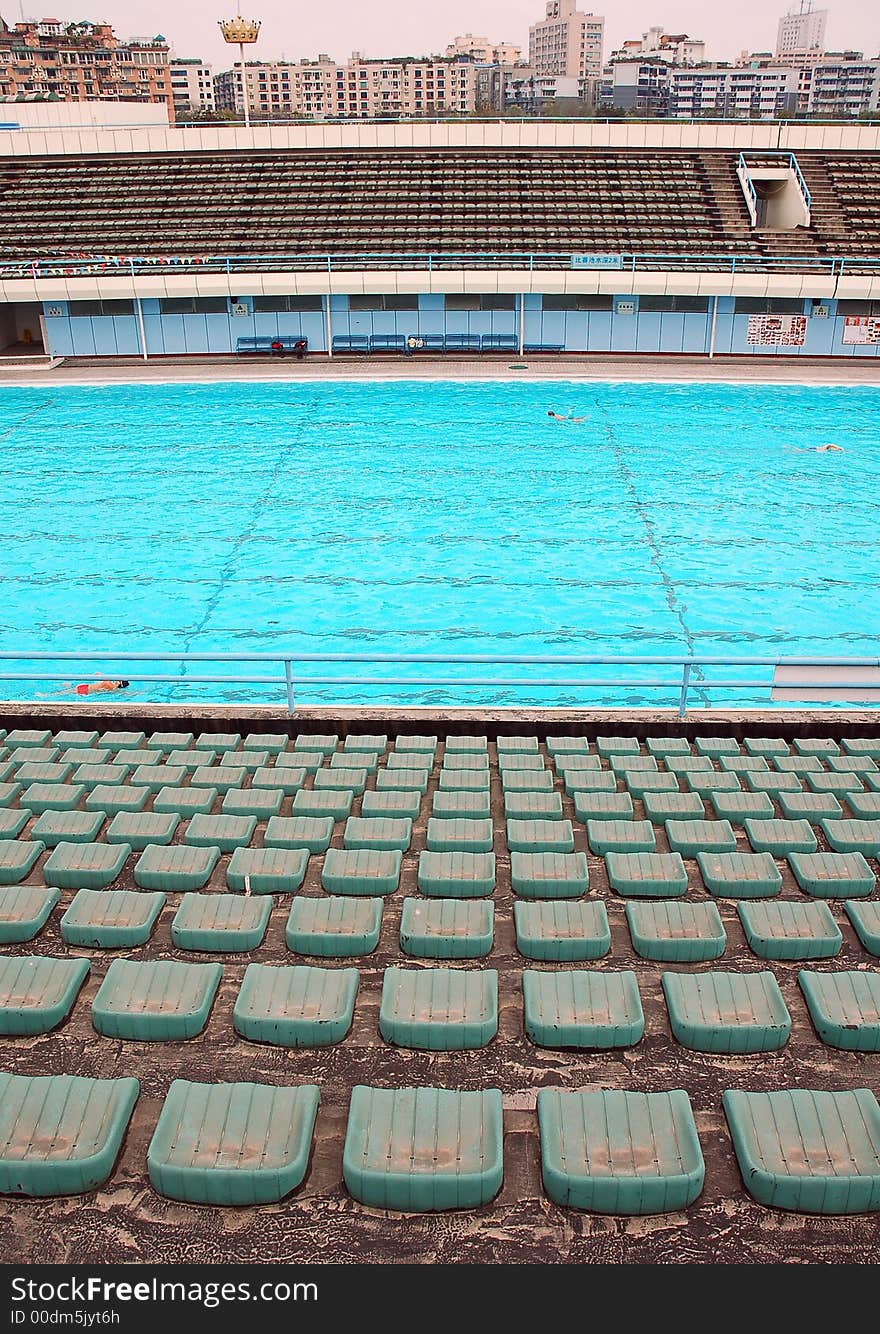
column 474, row 237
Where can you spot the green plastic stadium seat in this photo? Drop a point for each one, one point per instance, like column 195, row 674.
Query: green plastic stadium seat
column 39, row 797
column 142, row 828
column 165, row 742
column 405, row 759
column 797, row 764
column 737, row 807
column 833, row 875
column 864, row 805
column 159, row 1001
column 128, row 760
column 273, row 742
column 184, row 801
column 111, row 919
column 366, row 872
column 558, row 746
column 285, row 780
column 24, row 911
column 460, row 835
column 812, row 806
column 816, row 746
column 809, row 1151
column 176, row 868
column 25, row 736
column 85, row 865
column 853, row 836
column 17, row 860
column 451, row 780
column 313, row 832
column 9, row 793
column 61, row 1134
column 37, row 993
column 533, row 806
column 447, row 928
column 439, row 1009
column 606, row 836
column 623, row 765
column 740, row 875
column 222, row 777
column 585, row 783
column 89, row 755
column 226, row 832
column 607, row 746
column 862, row 746
column 109, row 799
column 76, row 739
column 781, row 837
column 517, row 745
column 763, row 745
column 561, row 931
column 425, row 745
column 790, row 930
column 615, row 1152
column 459, row 875
column 662, row 746
column 55, row 827
column 844, row 1007
column 582, row 1009
column 743, row 764
column 422, row 1150
column 865, row 918
column 602, row 806
column 40, row 758
column 852, row 764
column 365, row 742
column 839, row 785
column 642, row 783
column 690, row 764
column 663, row 806
column 310, row 760
column 466, row 745
column 257, row 801
column 691, row 837
column 220, row 923
column 338, row 780
column 540, row 836
column 334, row 928
column 518, row 761
column 116, row 740
column 192, row 759
column 298, row 1006
column 336, row 805
column 403, row 804
column 549, row 875
column 527, row 780
column 325, row 743
column 773, row 783
column 676, row 932
column 156, row 776
column 384, row 833
column 216, row 741
column 456, row 805
column 647, row 875
column 466, row 763
column 726, row 1012
column 266, row 870
column 13, row 822
column 232, row 1144
column 715, row 746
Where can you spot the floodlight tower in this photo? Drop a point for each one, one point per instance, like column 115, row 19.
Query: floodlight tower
column 241, row 33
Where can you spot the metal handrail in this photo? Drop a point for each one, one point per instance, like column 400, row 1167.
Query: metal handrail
column 790, row 160
column 682, row 686
column 40, row 267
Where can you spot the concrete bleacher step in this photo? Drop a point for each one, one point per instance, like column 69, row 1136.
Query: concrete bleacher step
column 439, row 1009
column 37, row 993
column 423, row 1149
column 726, row 1011
column 790, row 930
column 593, row 1010
column 806, row 1150
column 611, row 1151
column 447, row 928
column 155, row 1001
column 61, row 1134
column 232, row 1144
column 111, row 918
column 562, row 931
column 296, row 1006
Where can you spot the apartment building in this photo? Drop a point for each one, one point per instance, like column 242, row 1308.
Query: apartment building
column 567, row 42
column 80, row 62
column 192, row 84
column 483, row 51
column 762, row 92
column 361, row 89
column 801, row 32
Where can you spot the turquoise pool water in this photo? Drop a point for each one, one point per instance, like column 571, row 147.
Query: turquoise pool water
column 406, row 517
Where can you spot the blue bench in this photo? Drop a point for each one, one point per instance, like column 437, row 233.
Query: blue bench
column 387, row 343
column 463, row 343
column 499, row 343
column 269, row 343
column 351, row 343
column 543, row 347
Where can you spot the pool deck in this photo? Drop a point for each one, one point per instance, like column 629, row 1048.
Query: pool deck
column 128, row 1222
column 686, row 369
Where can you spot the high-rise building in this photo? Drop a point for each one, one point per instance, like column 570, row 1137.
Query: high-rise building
column 801, row 32
column 567, row 42
column 361, row 89
column 82, row 62
column 192, row 85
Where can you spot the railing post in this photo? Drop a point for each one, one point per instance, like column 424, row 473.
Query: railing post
column 288, row 681
column 683, row 696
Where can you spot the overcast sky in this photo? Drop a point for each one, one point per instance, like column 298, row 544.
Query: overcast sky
column 406, row 27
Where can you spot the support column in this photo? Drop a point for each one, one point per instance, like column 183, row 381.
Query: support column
column 522, row 321
column 714, row 324
column 142, row 332
column 328, row 325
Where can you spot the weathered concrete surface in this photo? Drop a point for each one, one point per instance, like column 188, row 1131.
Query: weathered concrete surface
column 128, row 1222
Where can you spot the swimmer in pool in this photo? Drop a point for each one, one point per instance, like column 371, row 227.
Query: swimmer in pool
column 558, row 417
column 92, row 688
column 817, row 449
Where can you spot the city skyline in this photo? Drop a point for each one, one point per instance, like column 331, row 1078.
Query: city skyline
column 399, row 29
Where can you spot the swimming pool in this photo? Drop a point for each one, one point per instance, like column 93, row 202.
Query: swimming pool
column 411, row 517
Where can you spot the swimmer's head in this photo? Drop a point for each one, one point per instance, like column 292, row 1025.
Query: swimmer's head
column 123, row 685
